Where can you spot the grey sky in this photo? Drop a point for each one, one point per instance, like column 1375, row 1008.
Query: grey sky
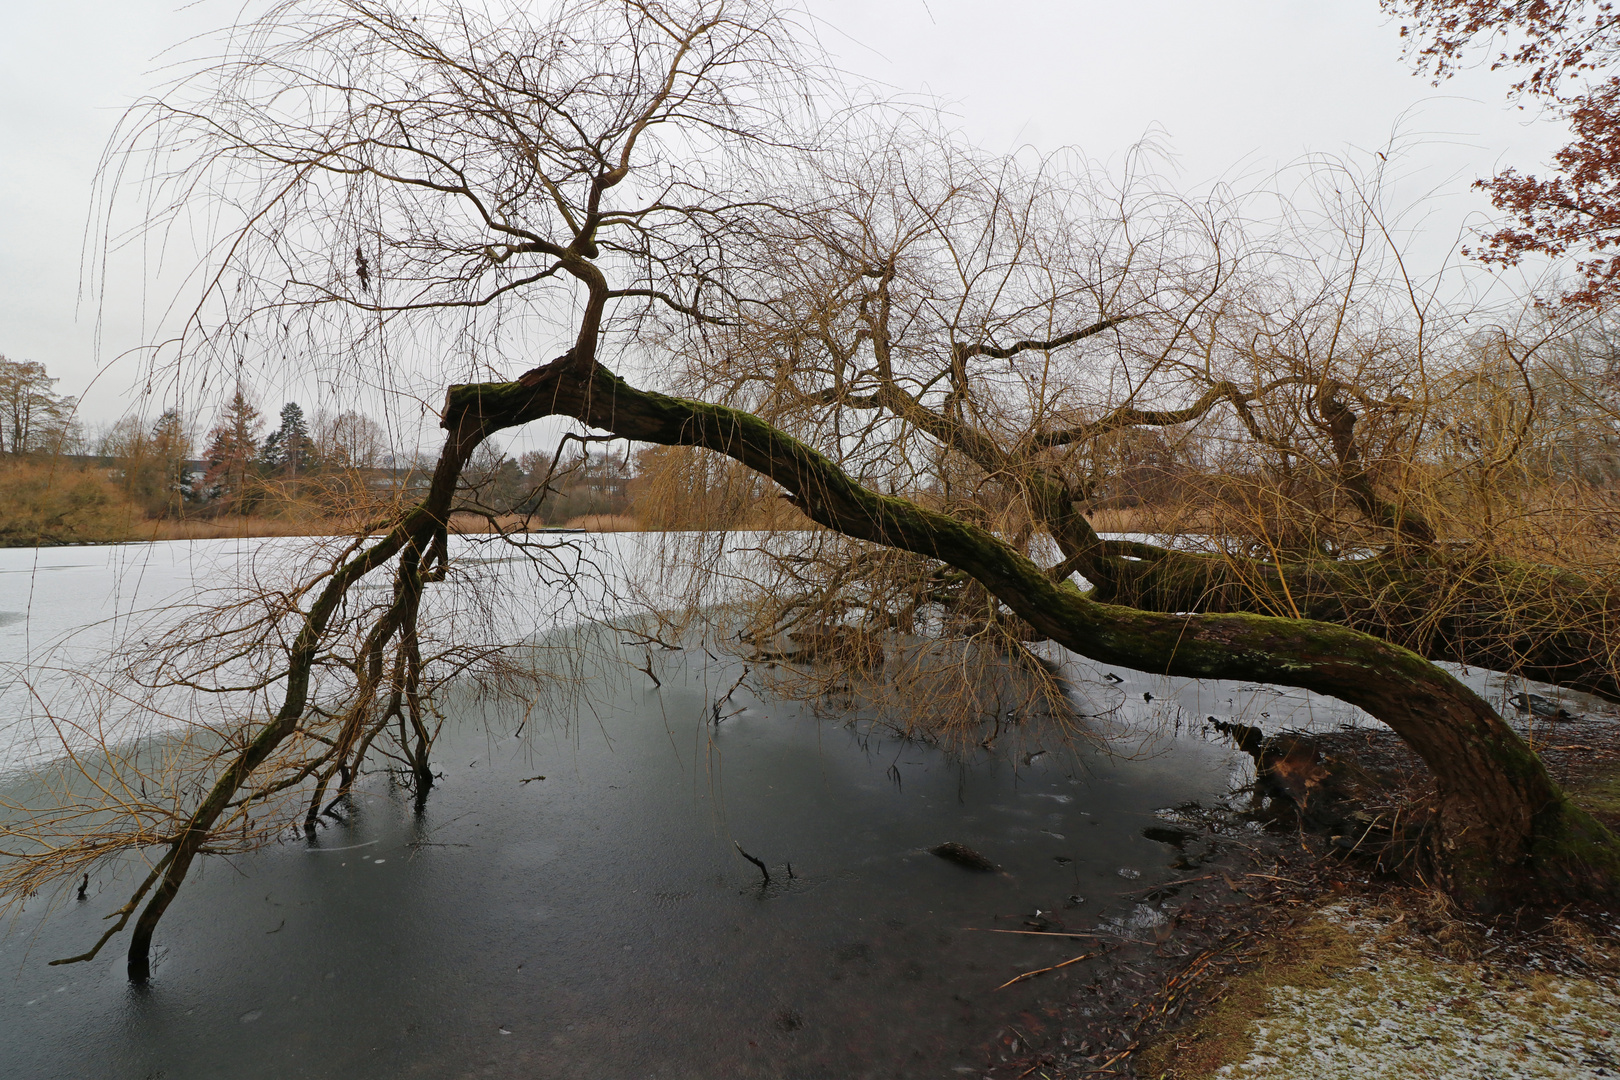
column 1236, row 89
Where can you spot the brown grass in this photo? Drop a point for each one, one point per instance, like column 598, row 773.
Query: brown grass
column 53, row 502
column 475, row 524
column 235, row 526
column 47, row 502
column 1305, row 956
column 1121, row 520
column 605, row 523
column 1165, row 519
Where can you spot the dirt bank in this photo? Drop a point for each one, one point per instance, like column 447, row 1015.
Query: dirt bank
column 1284, row 954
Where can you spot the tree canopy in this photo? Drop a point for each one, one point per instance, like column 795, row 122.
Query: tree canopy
column 290, row 449
column 1562, row 54
column 33, row 417
column 672, row 224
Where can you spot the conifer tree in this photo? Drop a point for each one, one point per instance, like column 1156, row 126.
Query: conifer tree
column 289, row 451
column 232, row 456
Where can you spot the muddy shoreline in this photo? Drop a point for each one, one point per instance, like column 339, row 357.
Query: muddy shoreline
column 1252, row 897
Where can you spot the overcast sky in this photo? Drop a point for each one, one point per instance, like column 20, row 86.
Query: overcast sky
column 1234, row 89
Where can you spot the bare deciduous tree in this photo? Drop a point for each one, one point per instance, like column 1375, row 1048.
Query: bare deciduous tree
column 918, row 348
column 34, row 419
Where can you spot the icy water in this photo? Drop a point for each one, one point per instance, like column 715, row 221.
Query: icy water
column 599, row 922
column 570, row 901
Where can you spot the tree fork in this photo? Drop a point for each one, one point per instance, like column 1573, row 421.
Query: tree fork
column 419, row 527
column 1536, row 621
column 1485, row 625
column 1544, row 624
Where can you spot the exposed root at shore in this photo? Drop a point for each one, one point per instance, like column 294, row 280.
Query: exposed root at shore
column 1248, row 919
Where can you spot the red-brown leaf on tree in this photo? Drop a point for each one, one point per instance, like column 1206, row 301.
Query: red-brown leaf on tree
column 1557, row 45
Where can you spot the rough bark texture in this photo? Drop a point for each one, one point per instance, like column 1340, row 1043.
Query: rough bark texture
column 1509, row 834
column 1444, row 602
column 1537, row 621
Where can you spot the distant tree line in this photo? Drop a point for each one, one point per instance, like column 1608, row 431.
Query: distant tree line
column 550, row 489
column 60, row 483
column 241, row 470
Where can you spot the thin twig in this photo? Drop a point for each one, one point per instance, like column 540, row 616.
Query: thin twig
column 753, row 860
column 1054, row 967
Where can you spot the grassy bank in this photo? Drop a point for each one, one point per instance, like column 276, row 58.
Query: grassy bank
column 51, row 502
column 1400, row 989
column 55, row 502
column 1393, row 983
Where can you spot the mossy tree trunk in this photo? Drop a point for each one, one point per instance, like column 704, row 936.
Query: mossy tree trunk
column 467, row 238
column 1508, row 833
column 1536, row 621
column 1446, row 603
column 1454, row 603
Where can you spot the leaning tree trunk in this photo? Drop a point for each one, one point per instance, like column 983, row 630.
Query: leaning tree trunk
column 1535, row 621
column 413, row 535
column 1508, row 833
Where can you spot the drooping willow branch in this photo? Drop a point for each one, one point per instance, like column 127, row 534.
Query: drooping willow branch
column 1509, row 827
column 417, row 530
column 1512, row 831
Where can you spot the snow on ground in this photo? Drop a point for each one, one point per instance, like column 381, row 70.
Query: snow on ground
column 1404, row 1014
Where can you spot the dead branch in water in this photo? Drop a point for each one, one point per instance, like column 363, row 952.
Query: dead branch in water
column 762, row 869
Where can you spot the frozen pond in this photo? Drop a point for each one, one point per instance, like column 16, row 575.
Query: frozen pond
column 598, row 921
column 64, row 611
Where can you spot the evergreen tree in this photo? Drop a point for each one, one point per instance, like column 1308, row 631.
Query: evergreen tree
column 171, row 446
column 232, row 456
column 289, row 451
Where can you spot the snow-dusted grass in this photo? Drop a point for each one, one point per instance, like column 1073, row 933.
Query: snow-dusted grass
column 1398, row 1012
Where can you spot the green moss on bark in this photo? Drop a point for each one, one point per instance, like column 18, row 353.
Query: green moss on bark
column 1508, row 832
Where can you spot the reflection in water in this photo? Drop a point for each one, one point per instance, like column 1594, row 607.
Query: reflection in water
column 571, row 903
